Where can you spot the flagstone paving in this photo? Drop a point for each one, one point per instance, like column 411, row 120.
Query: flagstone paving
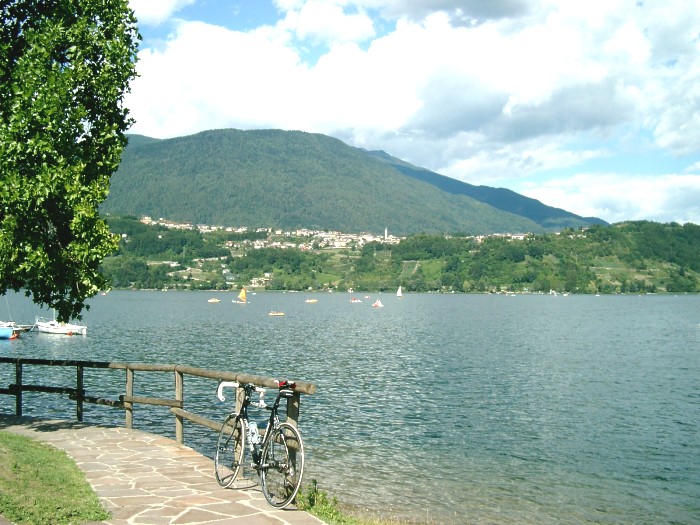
column 145, row 479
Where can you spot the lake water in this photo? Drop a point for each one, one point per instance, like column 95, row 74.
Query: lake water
column 484, row 409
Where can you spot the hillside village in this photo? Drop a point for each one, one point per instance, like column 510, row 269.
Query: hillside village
column 318, row 239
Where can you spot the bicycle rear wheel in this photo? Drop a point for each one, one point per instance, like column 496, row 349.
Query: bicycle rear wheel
column 230, row 450
column 282, row 465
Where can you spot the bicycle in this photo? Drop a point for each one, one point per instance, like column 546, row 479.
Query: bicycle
column 277, row 455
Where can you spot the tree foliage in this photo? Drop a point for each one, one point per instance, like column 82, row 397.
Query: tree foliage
column 65, row 66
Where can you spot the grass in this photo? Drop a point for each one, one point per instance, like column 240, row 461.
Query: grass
column 41, row 485
column 318, row 503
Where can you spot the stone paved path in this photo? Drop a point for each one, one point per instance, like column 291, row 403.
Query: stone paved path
column 145, row 479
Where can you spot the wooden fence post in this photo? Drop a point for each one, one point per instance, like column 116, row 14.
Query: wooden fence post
column 18, row 385
column 179, row 396
column 293, row 409
column 80, row 392
column 128, row 405
column 293, row 417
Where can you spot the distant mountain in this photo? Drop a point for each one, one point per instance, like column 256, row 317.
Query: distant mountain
column 507, row 200
column 293, row 179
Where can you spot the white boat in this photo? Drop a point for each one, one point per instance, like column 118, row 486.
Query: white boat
column 242, row 297
column 311, row 301
column 56, row 327
column 276, row 313
column 377, row 304
column 355, row 300
column 399, row 293
column 214, row 300
column 10, row 327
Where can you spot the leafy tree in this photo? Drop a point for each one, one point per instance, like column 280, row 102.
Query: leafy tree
column 65, row 66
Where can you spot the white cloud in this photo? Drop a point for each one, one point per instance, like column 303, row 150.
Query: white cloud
column 665, row 198
column 206, row 77
column 156, row 11
column 327, row 21
column 479, row 91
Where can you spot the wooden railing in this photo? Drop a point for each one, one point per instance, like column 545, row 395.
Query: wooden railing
column 127, row 400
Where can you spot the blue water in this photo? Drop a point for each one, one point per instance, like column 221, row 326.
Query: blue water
column 436, row 408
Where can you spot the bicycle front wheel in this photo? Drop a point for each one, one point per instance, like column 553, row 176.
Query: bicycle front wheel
column 282, row 465
column 230, row 450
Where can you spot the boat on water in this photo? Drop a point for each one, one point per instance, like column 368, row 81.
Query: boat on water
column 311, row 301
column 213, row 300
column 275, row 313
column 11, row 330
column 242, row 297
column 377, row 304
column 55, row 327
column 399, row 293
column 355, row 300
column 7, row 332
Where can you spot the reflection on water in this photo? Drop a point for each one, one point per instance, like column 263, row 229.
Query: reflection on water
column 454, row 409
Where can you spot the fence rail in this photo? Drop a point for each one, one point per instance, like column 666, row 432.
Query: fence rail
column 126, row 400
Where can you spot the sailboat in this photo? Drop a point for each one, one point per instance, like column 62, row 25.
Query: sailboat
column 399, row 293
column 55, row 327
column 241, row 297
column 377, row 304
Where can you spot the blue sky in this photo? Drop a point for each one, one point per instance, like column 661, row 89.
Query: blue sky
column 592, row 106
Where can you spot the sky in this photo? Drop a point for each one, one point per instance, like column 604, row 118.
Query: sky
column 591, row 106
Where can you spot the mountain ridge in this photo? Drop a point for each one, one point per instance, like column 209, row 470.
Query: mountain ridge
column 294, row 179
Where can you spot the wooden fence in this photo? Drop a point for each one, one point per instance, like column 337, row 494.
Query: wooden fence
column 127, row 400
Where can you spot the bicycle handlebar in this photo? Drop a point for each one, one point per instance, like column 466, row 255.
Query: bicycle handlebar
column 220, row 390
column 234, row 384
column 282, row 385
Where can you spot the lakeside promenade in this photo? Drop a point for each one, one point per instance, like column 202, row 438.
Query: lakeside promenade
column 146, row 479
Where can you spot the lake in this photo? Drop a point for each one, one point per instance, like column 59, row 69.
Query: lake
column 484, row 409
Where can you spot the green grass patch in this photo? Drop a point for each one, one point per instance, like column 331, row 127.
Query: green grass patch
column 326, row 508
column 41, row 485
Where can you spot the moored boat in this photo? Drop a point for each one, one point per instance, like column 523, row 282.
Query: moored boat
column 56, row 327
column 8, row 333
column 11, row 330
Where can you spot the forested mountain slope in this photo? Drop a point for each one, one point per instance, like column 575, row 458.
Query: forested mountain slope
column 548, row 217
column 292, row 179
